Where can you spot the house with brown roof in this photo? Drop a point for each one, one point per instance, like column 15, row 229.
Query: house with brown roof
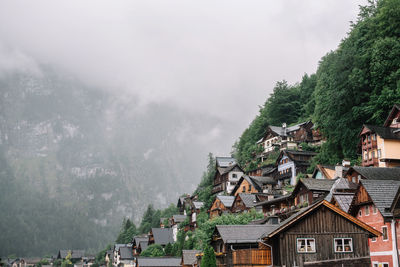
column 221, row 205
column 256, row 184
column 380, row 145
column 244, row 202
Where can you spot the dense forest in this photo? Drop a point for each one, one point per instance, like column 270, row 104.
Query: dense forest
column 356, row 83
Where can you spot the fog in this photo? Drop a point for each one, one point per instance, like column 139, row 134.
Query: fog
column 215, row 57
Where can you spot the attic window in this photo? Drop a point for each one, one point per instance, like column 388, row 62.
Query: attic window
column 234, row 175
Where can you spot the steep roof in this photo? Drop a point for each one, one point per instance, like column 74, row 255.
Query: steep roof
column 224, row 170
column 189, row 256
column 305, row 211
column 179, row 218
column 143, row 245
column 344, row 200
column 392, row 113
column 275, row 200
column 198, row 204
column 226, row 200
column 259, row 181
column 159, row 262
column 233, row 234
column 382, row 193
column 249, row 200
column 318, row 184
column 75, row 254
column 385, row 132
column 126, row 253
column 328, row 171
column 138, row 239
column 282, row 132
column 162, row 236
column 376, row 173
column 224, row 161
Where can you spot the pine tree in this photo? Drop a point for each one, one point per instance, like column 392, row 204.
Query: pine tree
column 209, row 259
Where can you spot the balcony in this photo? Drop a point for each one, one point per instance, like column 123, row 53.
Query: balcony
column 284, row 176
column 217, row 188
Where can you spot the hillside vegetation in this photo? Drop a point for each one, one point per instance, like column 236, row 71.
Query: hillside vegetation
column 355, row 84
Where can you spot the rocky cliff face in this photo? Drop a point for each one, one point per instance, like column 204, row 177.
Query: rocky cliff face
column 78, row 159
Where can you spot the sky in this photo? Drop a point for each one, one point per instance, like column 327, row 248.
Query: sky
column 220, row 58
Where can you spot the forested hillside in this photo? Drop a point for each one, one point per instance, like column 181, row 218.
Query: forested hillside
column 355, row 84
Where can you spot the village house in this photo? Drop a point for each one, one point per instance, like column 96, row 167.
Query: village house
column 244, row 202
column 184, row 202
column 189, row 258
column 158, row 262
column 281, row 138
column 380, row 145
column 356, row 173
column 290, row 163
column 277, row 205
column 116, row 259
column 256, row 184
column 109, row 257
column 320, row 235
column 174, row 222
column 139, row 244
column 308, row 190
column 374, row 203
column 237, row 245
column 126, row 257
column 221, row 205
column 227, row 174
column 266, row 170
column 76, row 255
column 161, row 236
column 195, row 210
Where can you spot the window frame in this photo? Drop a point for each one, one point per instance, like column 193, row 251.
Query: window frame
column 342, row 239
column 374, row 209
column 387, row 234
column 305, row 239
column 366, row 210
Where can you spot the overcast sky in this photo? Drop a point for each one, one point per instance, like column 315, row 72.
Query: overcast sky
column 218, row 57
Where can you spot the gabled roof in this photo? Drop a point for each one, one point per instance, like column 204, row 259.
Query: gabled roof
column 143, row 245
column 228, row 169
column 249, row 200
column 179, row 218
column 282, row 132
column 159, row 262
column 308, row 210
column 198, row 204
column 376, row 173
column 344, row 200
column 126, row 253
column 256, row 181
column 234, row 234
column 328, row 171
column 224, row 161
column 137, row 239
column 291, row 153
column 189, row 256
column 382, row 193
column 117, row 246
column 384, row 132
column 275, row 200
column 75, row 254
column 162, row 236
column 226, row 200
column 392, row 113
column 316, row 184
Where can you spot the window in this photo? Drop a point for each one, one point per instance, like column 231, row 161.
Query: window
column 384, row 233
column 385, row 264
column 360, row 213
column 234, row 175
column 379, row 153
column 243, row 189
column 366, row 210
column 373, row 209
column 343, row 245
column 353, row 179
column 374, row 137
column 306, row 245
column 373, row 154
column 373, row 239
column 249, row 187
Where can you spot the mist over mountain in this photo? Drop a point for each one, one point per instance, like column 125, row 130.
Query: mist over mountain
column 75, row 159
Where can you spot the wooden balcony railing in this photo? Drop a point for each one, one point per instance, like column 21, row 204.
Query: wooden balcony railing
column 252, row 257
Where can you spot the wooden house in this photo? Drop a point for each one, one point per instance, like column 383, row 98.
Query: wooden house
column 374, row 203
column 195, row 210
column 256, row 184
column 126, row 257
column 277, row 205
column 308, row 190
column 221, row 205
column 290, row 163
column 238, row 245
column 227, row 174
column 324, row 172
column 380, row 145
column 174, row 223
column 320, row 235
column 356, row 173
column 244, row 202
column 183, row 204
column 265, row 170
column 189, row 258
column 161, row 236
column 138, row 244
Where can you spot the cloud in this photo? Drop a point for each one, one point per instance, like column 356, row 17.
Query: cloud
column 216, row 57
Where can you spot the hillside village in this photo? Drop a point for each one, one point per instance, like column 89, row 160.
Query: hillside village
column 342, row 215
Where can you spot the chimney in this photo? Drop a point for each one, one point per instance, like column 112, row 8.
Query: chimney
column 339, row 171
column 284, row 128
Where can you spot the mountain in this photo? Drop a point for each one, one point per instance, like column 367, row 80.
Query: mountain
column 75, row 160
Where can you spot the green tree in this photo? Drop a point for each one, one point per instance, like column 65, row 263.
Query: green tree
column 154, row 250
column 168, row 249
column 208, row 259
column 67, row 261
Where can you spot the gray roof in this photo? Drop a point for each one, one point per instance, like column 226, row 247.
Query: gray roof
column 249, row 200
column 143, row 245
column 126, row 253
column 280, row 131
column 376, row 173
column 162, row 236
column 179, row 218
column 75, row 254
column 275, row 200
column 344, row 184
column 344, row 200
column 225, row 161
column 318, row 184
column 189, row 256
column 198, row 204
column 385, row 132
column 138, row 239
column 159, row 262
column 226, row 200
column 232, row 234
column 382, row 193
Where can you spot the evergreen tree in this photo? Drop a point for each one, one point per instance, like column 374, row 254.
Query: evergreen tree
column 209, row 259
